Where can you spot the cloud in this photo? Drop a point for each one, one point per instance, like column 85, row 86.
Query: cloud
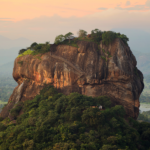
column 147, row 3
column 46, row 28
column 5, row 18
column 136, row 7
column 102, row 8
column 127, row 3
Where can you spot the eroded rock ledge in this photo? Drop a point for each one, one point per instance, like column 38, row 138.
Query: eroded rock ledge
column 82, row 70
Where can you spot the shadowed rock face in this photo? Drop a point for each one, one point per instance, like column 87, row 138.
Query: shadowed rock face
column 82, row 70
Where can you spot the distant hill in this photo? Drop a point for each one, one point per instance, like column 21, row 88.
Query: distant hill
column 7, row 69
column 143, row 62
column 9, row 48
column 6, row 43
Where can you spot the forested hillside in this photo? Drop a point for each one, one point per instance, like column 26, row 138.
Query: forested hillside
column 53, row 121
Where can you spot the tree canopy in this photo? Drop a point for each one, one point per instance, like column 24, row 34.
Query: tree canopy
column 53, row 121
column 82, row 33
column 59, row 39
column 69, row 35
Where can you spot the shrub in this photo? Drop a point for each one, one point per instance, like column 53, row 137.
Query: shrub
column 96, row 35
column 33, row 45
column 1, row 118
column 108, row 37
column 27, row 52
column 41, row 48
column 2, row 127
column 36, row 49
column 22, row 51
column 123, row 37
column 15, row 111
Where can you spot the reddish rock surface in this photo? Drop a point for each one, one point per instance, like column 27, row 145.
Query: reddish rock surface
column 82, row 70
column 89, row 36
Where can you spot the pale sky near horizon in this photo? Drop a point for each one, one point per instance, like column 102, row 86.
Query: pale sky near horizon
column 40, row 20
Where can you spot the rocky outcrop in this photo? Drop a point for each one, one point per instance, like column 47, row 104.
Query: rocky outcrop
column 89, row 69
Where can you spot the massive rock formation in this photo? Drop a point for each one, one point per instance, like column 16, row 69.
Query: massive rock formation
column 87, row 69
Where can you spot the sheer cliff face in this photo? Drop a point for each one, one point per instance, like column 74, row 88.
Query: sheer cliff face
column 82, row 70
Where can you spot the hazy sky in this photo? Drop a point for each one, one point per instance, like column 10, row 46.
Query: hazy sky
column 43, row 20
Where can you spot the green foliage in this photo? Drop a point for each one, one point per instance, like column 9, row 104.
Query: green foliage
column 103, row 58
column 20, row 62
column 33, row 45
column 144, row 98
column 143, row 117
column 82, row 33
column 59, row 39
column 96, row 35
column 63, row 39
column 41, row 48
column 15, row 111
column 36, row 49
column 53, row 121
column 69, row 35
column 72, row 42
column 123, row 37
column 7, row 85
column 107, row 55
column 27, row 52
column 21, row 51
column 108, row 37
column 147, row 79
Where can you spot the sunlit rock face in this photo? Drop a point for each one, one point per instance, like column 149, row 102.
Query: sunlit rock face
column 87, row 70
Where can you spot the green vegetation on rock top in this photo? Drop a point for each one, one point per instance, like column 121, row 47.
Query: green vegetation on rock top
column 35, row 49
column 96, row 36
column 53, row 121
column 27, row 52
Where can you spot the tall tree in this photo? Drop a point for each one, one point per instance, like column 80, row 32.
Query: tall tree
column 59, row 38
column 69, row 35
column 82, row 33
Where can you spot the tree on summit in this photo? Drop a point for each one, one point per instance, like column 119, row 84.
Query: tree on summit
column 69, row 35
column 82, row 33
column 33, row 44
column 96, row 34
column 21, row 51
column 59, row 39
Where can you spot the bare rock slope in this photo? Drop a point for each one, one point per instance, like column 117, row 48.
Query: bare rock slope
column 110, row 70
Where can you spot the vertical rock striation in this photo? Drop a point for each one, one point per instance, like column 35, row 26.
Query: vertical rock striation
column 110, row 70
